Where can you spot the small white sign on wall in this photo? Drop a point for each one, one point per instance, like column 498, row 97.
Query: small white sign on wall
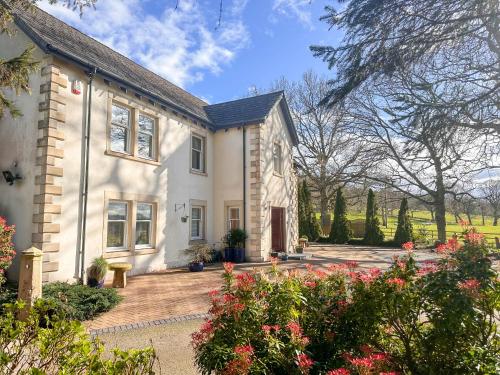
column 76, row 87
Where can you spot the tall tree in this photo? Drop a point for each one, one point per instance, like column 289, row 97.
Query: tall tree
column 424, row 164
column 491, row 193
column 15, row 72
column 457, row 41
column 404, row 230
column 329, row 152
column 373, row 233
column 340, row 232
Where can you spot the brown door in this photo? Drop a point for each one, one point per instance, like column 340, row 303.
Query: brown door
column 278, row 229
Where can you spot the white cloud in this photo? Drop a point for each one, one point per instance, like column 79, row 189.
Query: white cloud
column 180, row 44
column 300, row 9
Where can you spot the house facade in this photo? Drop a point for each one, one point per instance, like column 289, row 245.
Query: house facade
column 118, row 162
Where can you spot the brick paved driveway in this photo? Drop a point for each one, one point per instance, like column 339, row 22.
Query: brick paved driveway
column 179, row 292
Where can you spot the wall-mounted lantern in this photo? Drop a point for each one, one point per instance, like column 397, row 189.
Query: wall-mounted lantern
column 13, row 175
column 76, row 87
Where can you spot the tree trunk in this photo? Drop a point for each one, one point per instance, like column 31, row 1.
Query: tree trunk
column 495, row 217
column 441, row 220
column 431, row 210
column 469, row 218
column 482, row 216
column 439, row 202
column 323, row 207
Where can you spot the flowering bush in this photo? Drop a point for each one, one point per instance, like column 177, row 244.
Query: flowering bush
column 6, row 247
column 45, row 343
column 435, row 317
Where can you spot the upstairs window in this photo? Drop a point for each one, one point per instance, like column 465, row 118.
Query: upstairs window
column 277, row 158
column 145, row 137
column 198, row 153
column 120, row 129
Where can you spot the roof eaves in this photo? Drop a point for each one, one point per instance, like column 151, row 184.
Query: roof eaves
column 241, row 123
column 281, row 101
column 49, row 49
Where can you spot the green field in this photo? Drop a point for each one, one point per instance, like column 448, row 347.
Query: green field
column 422, row 224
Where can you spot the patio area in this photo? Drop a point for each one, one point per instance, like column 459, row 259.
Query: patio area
column 178, row 294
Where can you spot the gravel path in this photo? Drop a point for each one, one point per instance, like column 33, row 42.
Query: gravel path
column 171, row 342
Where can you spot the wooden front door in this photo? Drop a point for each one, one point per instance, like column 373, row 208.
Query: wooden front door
column 278, row 229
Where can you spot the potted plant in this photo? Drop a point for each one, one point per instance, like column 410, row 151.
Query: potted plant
column 199, row 254
column 235, row 250
column 97, row 272
column 299, row 249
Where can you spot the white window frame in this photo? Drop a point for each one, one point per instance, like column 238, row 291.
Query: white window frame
column 278, row 157
column 127, row 128
column 201, row 223
column 152, row 135
column 126, row 226
column 151, row 222
column 230, row 219
column 201, row 153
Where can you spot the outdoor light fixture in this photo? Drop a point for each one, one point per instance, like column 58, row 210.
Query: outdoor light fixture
column 12, row 176
column 178, row 207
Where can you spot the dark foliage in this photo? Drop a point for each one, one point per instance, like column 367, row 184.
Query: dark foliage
column 373, row 233
column 404, row 230
column 340, row 231
column 80, row 302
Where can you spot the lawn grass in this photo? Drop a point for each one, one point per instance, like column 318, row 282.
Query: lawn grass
column 421, row 221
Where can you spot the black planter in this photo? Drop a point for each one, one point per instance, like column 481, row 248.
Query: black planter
column 196, row 266
column 229, row 254
column 94, row 283
column 239, row 255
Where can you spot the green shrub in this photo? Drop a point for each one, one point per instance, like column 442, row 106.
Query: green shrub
column 45, row 343
column 80, row 302
column 309, row 225
column 435, row 317
column 404, row 230
column 373, row 233
column 340, row 231
column 236, row 238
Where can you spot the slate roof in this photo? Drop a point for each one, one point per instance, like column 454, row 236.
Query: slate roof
column 242, row 111
column 54, row 36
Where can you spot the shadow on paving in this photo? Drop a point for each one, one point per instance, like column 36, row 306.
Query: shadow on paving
column 172, row 343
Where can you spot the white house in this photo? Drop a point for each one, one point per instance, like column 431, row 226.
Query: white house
column 117, row 161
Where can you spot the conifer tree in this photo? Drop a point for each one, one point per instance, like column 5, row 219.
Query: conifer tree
column 404, row 231
column 373, row 233
column 308, row 224
column 303, row 222
column 340, row 231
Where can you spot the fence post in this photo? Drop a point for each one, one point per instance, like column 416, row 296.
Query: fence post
column 497, row 242
column 30, row 279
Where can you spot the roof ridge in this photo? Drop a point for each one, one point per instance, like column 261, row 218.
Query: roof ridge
column 247, row 98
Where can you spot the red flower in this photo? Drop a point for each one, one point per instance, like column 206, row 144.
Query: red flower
column 244, row 280
column 470, row 286
column 362, row 362
column 408, row 246
column 304, row 362
column 310, row 284
column 228, row 267
column 474, row 238
column 389, row 373
column 213, row 293
column 351, row 264
column 294, row 328
column 339, row 371
column 441, row 248
column 396, row 281
column 337, row 267
column 244, row 350
column 266, row 329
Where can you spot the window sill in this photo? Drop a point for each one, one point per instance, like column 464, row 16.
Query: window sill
column 129, row 253
column 196, row 242
column 199, row 173
column 116, row 254
column 145, row 251
column 131, row 157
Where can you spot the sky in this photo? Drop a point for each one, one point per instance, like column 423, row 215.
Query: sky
column 256, row 43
